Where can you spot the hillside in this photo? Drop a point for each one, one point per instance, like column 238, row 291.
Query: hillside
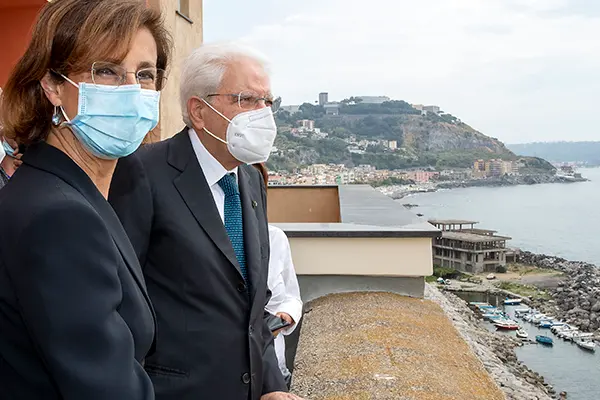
column 559, row 152
column 361, row 133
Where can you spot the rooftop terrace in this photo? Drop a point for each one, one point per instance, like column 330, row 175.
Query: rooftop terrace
column 362, row 346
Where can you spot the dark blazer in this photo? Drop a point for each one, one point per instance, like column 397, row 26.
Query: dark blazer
column 75, row 317
column 212, row 342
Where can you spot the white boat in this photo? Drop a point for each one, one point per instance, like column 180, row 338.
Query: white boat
column 538, row 317
column 567, row 334
column 560, row 327
column 512, row 302
column 491, row 277
column 571, row 334
column 522, row 310
column 586, row 344
column 521, row 334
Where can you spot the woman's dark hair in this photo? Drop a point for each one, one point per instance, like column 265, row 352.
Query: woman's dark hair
column 68, row 37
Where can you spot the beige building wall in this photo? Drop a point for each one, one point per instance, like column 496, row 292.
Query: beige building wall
column 401, row 257
column 187, row 35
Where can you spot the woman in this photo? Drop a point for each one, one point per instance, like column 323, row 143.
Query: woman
column 75, row 318
column 285, row 300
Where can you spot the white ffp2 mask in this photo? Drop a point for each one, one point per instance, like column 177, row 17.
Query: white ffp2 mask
column 250, row 135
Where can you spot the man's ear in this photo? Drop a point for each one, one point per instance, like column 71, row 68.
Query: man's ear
column 195, row 107
column 52, row 89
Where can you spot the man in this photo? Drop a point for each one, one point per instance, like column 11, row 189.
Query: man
column 195, row 211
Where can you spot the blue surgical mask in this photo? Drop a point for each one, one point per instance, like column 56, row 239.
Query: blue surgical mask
column 111, row 121
column 7, row 149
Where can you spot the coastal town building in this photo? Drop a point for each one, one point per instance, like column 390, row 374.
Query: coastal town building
column 291, row 109
column 332, row 108
column 307, row 124
column 465, row 248
column 494, row 168
column 183, row 19
column 373, row 99
column 323, row 98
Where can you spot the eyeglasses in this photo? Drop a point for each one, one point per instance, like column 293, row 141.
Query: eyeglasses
column 250, row 101
column 109, row 74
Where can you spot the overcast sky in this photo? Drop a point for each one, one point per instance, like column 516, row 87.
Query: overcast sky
column 518, row 70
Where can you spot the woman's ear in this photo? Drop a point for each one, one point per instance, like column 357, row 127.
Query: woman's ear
column 52, row 89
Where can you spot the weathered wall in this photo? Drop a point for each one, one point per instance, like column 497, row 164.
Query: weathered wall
column 15, row 31
column 186, row 36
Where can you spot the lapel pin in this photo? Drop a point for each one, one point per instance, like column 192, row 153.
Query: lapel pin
column 254, row 204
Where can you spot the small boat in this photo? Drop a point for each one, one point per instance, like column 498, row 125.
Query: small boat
column 537, row 318
column 544, row 340
column 586, row 344
column 506, row 325
column 486, row 307
column 493, row 316
column 545, row 324
column 522, row 310
column 490, row 277
column 440, row 281
column 521, row 334
column 478, row 303
column 512, row 302
column 569, row 335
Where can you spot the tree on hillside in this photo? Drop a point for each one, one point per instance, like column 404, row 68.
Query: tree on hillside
column 309, row 111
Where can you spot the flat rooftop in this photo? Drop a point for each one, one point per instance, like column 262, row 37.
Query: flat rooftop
column 473, row 237
column 452, row 222
column 480, row 231
column 362, row 346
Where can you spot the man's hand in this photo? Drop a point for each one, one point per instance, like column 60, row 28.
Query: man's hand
column 286, row 317
column 280, row 396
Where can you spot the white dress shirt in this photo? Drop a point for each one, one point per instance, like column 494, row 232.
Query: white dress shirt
column 284, row 286
column 213, row 171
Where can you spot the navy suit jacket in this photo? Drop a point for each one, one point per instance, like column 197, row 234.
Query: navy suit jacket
column 75, row 317
column 212, row 341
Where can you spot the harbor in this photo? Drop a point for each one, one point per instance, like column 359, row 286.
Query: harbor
column 564, row 355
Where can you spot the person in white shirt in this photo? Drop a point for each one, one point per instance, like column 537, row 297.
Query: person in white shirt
column 285, row 299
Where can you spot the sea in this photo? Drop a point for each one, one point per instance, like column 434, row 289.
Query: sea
column 555, row 219
column 559, row 219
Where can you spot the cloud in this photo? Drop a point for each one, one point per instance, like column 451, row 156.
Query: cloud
column 519, row 70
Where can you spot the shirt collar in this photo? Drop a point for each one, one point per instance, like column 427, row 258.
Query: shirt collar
column 213, row 170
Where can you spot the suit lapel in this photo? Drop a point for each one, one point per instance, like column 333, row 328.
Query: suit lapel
column 49, row 158
column 195, row 192
column 250, row 198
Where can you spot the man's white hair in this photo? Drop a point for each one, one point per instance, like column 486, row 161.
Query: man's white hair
column 203, row 70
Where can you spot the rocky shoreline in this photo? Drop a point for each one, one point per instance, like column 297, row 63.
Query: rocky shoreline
column 496, row 352
column 511, row 181
column 399, row 192
column 576, row 300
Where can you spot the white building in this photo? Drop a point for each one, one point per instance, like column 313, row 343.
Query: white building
column 373, row 99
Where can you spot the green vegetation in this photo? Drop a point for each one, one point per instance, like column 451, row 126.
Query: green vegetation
column 417, row 145
column 524, row 290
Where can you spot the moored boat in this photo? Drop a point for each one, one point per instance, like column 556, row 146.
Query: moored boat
column 586, row 344
column 546, row 324
column 544, row 340
column 512, row 302
column 506, row 325
column 521, row 334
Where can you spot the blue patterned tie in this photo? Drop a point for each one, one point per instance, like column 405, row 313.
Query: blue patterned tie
column 233, row 219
